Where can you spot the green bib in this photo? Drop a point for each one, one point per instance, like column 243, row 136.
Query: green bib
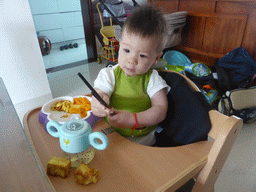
column 130, row 94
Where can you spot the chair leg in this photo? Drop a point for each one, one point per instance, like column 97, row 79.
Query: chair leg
column 197, row 188
column 101, row 54
column 112, row 49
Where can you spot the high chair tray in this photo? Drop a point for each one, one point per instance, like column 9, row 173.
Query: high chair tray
column 124, row 165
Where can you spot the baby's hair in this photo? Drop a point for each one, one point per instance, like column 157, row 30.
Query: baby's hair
column 146, row 21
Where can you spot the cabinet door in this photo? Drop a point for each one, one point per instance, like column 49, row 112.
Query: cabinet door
column 214, row 33
column 69, row 5
column 55, row 35
column 43, row 6
column 71, row 19
column 223, row 33
column 73, row 33
column 47, row 22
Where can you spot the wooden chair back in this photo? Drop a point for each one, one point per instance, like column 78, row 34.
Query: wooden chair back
column 224, row 131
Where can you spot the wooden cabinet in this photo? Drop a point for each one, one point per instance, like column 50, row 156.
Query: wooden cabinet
column 214, row 28
column 214, row 33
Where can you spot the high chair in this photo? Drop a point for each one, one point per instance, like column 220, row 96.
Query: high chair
column 182, row 150
column 111, row 45
column 222, row 129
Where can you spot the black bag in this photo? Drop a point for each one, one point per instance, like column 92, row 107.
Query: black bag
column 235, row 70
column 235, row 76
column 187, row 119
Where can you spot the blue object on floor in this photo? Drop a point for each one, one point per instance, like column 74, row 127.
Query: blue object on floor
column 176, row 58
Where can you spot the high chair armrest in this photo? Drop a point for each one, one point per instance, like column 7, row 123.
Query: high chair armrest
column 219, row 152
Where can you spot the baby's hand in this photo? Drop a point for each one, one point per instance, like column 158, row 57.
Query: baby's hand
column 97, row 108
column 121, row 118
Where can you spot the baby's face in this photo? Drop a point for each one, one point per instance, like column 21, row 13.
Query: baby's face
column 137, row 54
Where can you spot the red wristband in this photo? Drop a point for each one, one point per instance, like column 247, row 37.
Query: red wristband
column 136, row 123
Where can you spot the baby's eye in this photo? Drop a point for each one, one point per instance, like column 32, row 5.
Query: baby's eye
column 126, row 50
column 143, row 56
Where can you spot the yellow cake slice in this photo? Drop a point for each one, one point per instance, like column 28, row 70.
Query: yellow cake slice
column 58, row 167
column 84, row 175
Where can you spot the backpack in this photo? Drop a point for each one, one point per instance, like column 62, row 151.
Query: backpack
column 235, row 70
column 236, row 84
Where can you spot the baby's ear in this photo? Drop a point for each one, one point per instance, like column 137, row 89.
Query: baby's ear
column 158, row 57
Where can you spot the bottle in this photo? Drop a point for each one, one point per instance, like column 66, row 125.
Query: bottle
column 77, row 139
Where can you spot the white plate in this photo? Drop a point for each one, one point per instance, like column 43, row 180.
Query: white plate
column 58, row 115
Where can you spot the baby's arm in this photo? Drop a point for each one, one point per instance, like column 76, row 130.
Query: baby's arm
column 152, row 116
column 157, row 112
column 97, row 108
column 104, row 85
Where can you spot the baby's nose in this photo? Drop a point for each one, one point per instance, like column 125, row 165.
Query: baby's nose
column 133, row 61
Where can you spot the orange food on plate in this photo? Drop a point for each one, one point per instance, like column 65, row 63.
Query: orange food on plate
column 78, row 110
column 81, row 100
column 80, row 105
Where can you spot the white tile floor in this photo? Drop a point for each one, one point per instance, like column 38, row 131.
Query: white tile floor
column 239, row 171
column 67, row 82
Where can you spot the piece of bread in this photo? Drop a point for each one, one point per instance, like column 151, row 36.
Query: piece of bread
column 84, row 175
column 59, row 167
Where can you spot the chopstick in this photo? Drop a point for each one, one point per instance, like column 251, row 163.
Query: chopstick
column 94, row 93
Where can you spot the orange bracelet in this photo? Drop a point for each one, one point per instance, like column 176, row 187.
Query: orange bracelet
column 136, row 124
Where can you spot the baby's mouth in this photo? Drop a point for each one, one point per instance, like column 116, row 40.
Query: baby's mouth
column 130, row 70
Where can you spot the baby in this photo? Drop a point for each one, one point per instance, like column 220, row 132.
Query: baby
column 136, row 94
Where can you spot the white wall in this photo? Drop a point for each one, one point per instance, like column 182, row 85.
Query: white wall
column 21, row 64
